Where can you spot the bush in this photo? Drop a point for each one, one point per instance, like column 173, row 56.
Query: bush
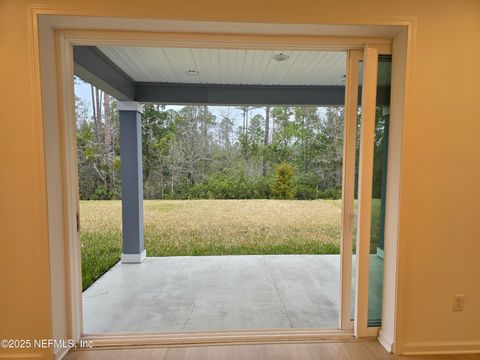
column 330, row 193
column 284, row 187
column 262, row 188
column 101, row 193
column 306, row 192
column 222, row 187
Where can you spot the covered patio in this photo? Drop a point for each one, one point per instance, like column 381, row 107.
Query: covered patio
column 221, row 293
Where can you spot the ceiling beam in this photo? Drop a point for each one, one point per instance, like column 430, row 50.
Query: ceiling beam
column 92, row 66
column 210, row 94
column 168, row 93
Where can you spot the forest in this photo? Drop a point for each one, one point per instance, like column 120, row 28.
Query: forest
column 192, row 152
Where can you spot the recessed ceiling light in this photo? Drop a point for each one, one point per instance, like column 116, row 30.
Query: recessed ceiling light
column 280, row 57
column 192, row 72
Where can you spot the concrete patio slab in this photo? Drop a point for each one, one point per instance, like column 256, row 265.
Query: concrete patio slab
column 215, row 293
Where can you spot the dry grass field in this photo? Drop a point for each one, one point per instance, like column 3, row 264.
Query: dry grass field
column 211, row 227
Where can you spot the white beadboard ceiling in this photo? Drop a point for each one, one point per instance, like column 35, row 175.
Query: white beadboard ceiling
column 229, row 66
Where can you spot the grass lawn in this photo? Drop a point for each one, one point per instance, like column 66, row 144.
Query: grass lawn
column 212, row 227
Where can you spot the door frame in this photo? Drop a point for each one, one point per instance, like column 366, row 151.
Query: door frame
column 369, row 56
column 64, row 83
column 364, row 204
column 348, row 183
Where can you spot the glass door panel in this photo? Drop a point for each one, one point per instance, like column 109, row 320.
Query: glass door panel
column 379, row 188
column 365, row 169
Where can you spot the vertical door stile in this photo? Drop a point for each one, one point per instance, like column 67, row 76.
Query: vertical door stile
column 349, row 146
column 367, row 133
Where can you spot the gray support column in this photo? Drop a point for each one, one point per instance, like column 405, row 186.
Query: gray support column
column 132, row 181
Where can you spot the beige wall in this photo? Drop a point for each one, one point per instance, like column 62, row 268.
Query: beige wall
column 439, row 231
column 24, row 269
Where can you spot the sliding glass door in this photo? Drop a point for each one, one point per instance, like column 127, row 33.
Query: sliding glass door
column 367, row 105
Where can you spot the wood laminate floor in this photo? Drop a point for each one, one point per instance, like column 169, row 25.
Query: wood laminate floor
column 357, row 350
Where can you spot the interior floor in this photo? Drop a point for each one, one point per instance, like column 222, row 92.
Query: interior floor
column 353, row 350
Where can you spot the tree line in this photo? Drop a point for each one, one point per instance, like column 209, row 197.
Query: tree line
column 276, row 152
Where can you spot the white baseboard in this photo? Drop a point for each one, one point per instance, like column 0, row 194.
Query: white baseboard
column 441, row 347
column 134, row 258
column 386, row 341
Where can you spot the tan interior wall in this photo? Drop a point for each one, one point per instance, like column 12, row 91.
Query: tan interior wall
column 439, row 232
column 25, row 307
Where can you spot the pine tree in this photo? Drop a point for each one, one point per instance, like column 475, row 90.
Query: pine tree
column 284, row 186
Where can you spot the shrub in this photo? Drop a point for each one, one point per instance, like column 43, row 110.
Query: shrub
column 284, row 187
column 330, row 193
column 101, row 193
column 223, row 187
column 306, row 192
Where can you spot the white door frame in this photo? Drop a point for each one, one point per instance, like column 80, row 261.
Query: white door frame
column 369, row 55
column 66, row 39
column 365, row 177
column 64, row 79
column 348, row 187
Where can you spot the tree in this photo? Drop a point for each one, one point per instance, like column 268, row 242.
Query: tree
column 285, row 133
column 329, row 148
column 94, row 105
column 155, row 127
column 225, row 130
column 284, row 187
column 265, row 140
column 245, row 110
column 187, row 153
column 97, row 146
column 85, row 150
column 256, row 129
column 97, row 104
column 108, row 144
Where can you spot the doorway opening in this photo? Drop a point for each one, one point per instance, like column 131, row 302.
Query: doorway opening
column 235, row 181
column 66, row 67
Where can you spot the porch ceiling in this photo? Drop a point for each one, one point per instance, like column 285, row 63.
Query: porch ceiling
column 229, row 66
column 216, row 76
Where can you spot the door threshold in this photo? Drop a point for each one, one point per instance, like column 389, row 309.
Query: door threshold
column 181, row 339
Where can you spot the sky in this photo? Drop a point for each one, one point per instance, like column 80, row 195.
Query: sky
column 83, row 91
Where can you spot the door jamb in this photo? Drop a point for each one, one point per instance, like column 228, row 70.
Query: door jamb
column 348, row 187
column 367, row 133
column 65, row 42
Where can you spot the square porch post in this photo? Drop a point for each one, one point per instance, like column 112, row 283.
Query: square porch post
column 132, row 181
